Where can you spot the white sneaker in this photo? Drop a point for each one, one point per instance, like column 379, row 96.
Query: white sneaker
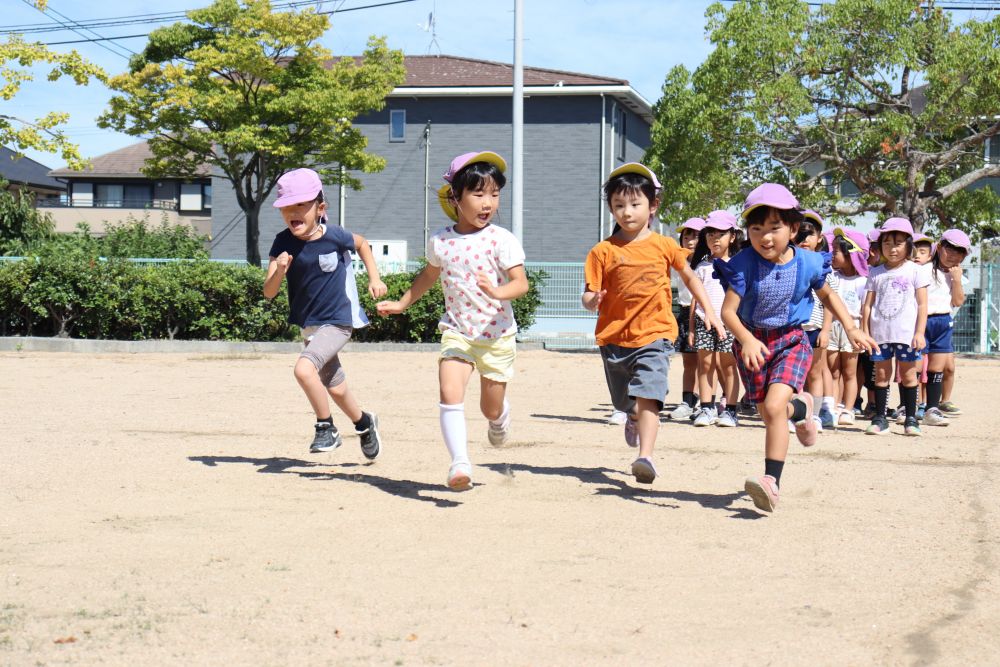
column 791, row 426
column 681, row 412
column 707, row 417
column 617, row 418
column 934, row 417
column 499, row 434
column 460, row 476
column 728, row 419
column 845, row 419
column 819, row 423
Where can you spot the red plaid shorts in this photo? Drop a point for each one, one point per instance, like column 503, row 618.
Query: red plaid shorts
column 791, row 356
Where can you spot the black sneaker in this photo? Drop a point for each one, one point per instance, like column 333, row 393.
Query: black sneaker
column 371, row 443
column 327, row 438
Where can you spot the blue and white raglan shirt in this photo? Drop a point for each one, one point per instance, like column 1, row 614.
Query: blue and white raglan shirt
column 321, row 284
column 773, row 296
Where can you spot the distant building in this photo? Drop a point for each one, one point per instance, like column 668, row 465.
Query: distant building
column 114, row 188
column 23, row 173
column 577, row 128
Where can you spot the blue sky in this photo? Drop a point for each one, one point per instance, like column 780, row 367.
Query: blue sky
column 638, row 40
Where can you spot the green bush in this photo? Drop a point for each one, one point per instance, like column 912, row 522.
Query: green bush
column 67, row 289
column 138, row 238
column 21, row 224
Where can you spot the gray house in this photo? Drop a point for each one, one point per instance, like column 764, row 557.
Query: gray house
column 577, row 128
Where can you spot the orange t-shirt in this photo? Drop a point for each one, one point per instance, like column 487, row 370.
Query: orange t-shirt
column 637, row 307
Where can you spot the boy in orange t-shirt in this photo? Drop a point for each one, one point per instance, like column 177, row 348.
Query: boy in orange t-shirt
column 628, row 283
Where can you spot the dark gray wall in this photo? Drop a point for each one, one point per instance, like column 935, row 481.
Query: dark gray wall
column 562, row 174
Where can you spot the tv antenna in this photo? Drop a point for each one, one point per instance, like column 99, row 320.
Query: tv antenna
column 431, row 27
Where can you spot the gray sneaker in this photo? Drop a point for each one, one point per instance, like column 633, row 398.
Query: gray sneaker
column 681, row 412
column 728, row 419
column 706, row 417
column 371, row 443
column 498, row 434
column 327, row 438
column 934, row 417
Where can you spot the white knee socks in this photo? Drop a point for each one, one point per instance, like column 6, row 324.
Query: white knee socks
column 504, row 416
column 453, row 430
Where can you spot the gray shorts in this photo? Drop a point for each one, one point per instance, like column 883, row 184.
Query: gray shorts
column 323, row 345
column 637, row 372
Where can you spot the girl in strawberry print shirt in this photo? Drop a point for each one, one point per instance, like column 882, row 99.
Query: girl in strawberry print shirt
column 481, row 267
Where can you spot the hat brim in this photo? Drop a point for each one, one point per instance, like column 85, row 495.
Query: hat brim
column 445, row 200
column 489, row 157
column 842, row 233
column 747, row 211
column 636, row 168
column 814, row 217
column 291, row 200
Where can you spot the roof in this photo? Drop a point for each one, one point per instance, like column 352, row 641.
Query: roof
column 446, row 71
column 123, row 163
column 25, row 171
column 448, row 76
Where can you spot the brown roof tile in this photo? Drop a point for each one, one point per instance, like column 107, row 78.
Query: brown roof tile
column 123, row 163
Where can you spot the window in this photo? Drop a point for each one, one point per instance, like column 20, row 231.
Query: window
column 620, row 142
column 397, row 125
column 206, row 196
column 110, row 195
column 82, row 194
column 993, row 149
column 190, row 197
column 138, row 195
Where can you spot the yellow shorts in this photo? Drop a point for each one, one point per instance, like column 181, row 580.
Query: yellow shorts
column 493, row 359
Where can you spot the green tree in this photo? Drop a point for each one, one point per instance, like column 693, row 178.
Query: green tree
column 249, row 92
column 890, row 95
column 21, row 224
column 16, row 57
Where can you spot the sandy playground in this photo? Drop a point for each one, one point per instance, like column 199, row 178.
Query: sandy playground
column 163, row 509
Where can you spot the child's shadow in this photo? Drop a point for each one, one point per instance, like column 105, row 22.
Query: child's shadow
column 617, row 487
column 401, row 488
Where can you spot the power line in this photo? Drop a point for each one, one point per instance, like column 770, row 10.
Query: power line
column 46, row 11
column 311, row 2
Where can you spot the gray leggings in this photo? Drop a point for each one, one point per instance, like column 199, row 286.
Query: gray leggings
column 323, row 347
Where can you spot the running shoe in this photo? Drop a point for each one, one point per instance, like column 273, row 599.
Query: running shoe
column 631, row 432
column 763, row 491
column 706, row 417
column 681, row 412
column 643, row 470
column 805, row 429
column 728, row 419
column 617, row 418
column 326, row 438
column 912, row 427
column 460, row 476
column 933, row 417
column 879, row 426
column 371, row 442
column 949, row 409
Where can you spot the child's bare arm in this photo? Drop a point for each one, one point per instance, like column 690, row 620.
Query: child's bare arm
column 423, row 282
column 697, row 289
column 276, row 269
column 592, row 300
column 834, row 304
column 957, row 293
column 753, row 352
column 918, row 333
column 516, row 287
column 866, row 312
column 376, row 287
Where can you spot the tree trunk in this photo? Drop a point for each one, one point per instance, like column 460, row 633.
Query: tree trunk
column 253, row 235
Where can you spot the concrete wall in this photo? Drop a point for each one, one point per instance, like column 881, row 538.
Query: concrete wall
column 562, row 174
column 67, row 218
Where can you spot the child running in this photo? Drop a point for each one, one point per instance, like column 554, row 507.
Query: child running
column 895, row 315
column 769, row 292
column 628, row 284
column 819, row 382
column 689, row 399
column 323, row 300
column 481, row 267
column 850, row 265
column 718, row 240
column 944, row 294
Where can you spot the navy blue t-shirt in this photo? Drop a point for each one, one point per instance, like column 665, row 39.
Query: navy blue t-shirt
column 321, row 285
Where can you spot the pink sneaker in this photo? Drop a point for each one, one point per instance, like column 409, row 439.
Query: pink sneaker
column 460, row 477
column 763, row 491
column 631, row 432
column 805, row 430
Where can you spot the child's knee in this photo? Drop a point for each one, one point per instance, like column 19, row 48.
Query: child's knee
column 304, row 369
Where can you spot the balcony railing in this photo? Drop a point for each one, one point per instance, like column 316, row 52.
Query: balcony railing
column 144, row 204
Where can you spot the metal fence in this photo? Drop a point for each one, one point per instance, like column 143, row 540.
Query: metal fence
column 563, row 322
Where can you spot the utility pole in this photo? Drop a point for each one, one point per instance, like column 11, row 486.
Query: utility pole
column 427, row 186
column 517, row 165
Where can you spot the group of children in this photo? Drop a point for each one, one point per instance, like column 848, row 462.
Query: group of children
column 798, row 314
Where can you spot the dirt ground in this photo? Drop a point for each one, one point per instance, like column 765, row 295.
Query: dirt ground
column 164, row 509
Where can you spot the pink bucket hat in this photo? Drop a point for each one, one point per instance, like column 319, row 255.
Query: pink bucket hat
column 873, row 235
column 896, row 225
column 810, row 214
column 694, row 224
column 297, row 186
column 957, row 238
column 720, row 220
column 457, row 164
column 858, row 248
column 636, row 168
column 922, row 238
column 774, row 195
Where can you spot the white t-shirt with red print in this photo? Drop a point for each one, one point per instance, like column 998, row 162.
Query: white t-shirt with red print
column 467, row 309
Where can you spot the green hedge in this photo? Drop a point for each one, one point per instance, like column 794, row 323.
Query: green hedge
column 66, row 291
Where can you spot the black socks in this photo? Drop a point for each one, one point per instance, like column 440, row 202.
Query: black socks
column 909, row 396
column 328, row 420
column 934, row 382
column 881, row 400
column 798, row 410
column 364, row 423
column 690, row 398
column 773, row 468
